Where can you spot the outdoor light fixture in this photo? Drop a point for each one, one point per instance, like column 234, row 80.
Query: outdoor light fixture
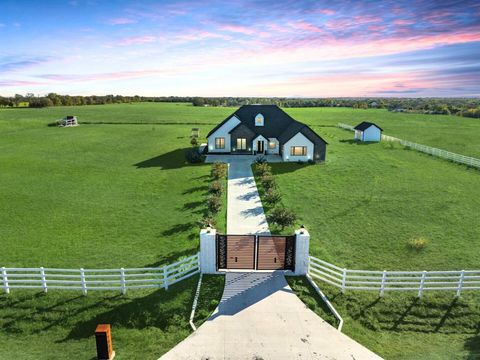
column 302, row 229
column 209, row 228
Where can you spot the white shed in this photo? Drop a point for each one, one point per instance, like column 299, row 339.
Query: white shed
column 367, row 131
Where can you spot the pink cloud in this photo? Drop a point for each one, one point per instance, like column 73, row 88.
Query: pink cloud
column 201, row 35
column 20, row 83
column 377, row 28
column 305, row 26
column 238, row 29
column 353, row 22
column 121, row 21
column 327, row 12
column 118, row 75
column 136, row 40
column 403, row 22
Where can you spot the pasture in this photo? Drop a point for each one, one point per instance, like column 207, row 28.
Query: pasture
column 117, row 192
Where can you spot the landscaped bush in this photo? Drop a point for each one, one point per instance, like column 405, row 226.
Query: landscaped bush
column 219, row 170
column 216, row 188
column 272, row 196
column 193, row 156
column 282, row 217
column 260, row 159
column 417, row 244
column 263, row 169
column 214, row 204
column 268, row 181
column 206, row 220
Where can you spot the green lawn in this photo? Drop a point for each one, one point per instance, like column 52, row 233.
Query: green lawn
column 367, row 201
column 99, row 196
column 61, row 324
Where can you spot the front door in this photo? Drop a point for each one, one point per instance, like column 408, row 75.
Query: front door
column 260, row 147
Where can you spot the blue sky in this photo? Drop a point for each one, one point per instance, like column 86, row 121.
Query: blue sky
column 241, row 48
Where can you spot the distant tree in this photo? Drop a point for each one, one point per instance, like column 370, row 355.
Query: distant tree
column 198, row 101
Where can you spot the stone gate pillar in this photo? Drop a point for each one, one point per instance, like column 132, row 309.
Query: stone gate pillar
column 302, row 251
column 208, row 252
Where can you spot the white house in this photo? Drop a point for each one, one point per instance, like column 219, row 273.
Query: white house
column 266, row 129
column 367, row 131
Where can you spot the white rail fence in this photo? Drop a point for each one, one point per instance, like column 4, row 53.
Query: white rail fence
column 382, row 281
column 444, row 154
column 99, row 279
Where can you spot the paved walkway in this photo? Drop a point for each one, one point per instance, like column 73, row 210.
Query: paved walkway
column 259, row 317
column 245, row 213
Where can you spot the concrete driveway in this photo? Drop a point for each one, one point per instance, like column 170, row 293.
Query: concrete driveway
column 245, row 213
column 259, row 317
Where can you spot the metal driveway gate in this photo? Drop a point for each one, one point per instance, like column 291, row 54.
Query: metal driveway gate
column 256, row 252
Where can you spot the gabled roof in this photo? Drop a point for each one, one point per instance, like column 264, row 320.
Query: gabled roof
column 278, row 124
column 365, row 125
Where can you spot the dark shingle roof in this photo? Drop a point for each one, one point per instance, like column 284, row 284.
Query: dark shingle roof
column 277, row 124
column 365, row 125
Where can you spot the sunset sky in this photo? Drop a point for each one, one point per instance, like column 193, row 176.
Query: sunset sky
column 292, row 48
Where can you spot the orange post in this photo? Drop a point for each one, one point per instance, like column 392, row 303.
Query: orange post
column 103, row 338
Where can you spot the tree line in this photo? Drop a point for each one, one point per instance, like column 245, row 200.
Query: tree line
column 469, row 107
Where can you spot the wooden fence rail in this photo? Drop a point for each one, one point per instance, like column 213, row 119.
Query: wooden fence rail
column 382, row 281
column 444, row 154
column 98, row 279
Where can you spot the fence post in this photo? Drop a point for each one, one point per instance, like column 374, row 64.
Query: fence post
column 344, row 280
column 84, row 283
column 422, row 283
column 165, row 277
column 302, row 251
column 122, row 281
column 44, row 279
column 208, row 251
column 382, row 286
column 5, row 281
column 460, row 283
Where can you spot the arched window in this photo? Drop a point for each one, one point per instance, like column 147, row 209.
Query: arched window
column 259, row 120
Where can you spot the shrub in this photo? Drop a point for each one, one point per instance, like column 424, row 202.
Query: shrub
column 260, row 159
column 194, row 142
column 268, row 181
column 282, row 217
column 216, row 188
column 263, row 169
column 219, row 170
column 272, row 196
column 214, row 204
column 417, row 244
column 206, row 220
column 193, row 156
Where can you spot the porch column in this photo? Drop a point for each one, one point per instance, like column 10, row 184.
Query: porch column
column 302, row 251
column 208, row 251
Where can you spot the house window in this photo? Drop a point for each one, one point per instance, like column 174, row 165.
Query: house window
column 220, row 143
column 272, row 144
column 298, row 150
column 241, row 144
column 259, row 120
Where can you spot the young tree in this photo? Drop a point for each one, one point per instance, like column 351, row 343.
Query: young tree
column 282, row 217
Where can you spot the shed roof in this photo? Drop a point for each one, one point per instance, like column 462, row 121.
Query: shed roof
column 365, row 125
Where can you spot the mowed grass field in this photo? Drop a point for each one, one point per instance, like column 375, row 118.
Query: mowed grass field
column 116, row 191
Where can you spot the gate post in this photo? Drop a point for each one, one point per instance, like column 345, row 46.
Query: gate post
column 208, row 251
column 302, row 251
